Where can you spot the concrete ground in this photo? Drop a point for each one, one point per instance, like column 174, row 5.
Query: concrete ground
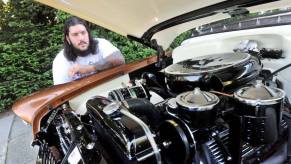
column 15, row 140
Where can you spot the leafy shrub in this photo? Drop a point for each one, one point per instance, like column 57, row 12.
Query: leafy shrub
column 178, row 40
column 25, row 60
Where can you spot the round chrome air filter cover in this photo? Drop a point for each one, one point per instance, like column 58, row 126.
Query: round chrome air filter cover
column 197, row 100
column 259, row 94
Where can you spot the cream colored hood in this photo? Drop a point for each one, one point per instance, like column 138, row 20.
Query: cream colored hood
column 145, row 19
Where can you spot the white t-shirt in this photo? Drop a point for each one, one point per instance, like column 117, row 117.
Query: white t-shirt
column 61, row 65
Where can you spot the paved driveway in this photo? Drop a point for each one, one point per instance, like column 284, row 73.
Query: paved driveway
column 15, row 140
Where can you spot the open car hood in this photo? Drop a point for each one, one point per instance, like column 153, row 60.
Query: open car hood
column 158, row 19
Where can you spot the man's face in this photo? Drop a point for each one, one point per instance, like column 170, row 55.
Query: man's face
column 78, row 37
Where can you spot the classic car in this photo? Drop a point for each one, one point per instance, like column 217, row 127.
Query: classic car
column 222, row 96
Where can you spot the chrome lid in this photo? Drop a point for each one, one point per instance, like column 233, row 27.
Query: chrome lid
column 259, row 94
column 209, row 64
column 197, row 100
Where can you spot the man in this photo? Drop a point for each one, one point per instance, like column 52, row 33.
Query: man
column 82, row 55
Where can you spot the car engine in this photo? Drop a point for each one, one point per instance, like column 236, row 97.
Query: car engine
column 222, row 108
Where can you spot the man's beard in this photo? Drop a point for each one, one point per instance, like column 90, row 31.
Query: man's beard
column 81, row 53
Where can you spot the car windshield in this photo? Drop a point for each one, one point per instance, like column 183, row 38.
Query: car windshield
column 240, row 20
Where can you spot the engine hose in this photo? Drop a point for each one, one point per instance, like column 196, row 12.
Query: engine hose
column 148, row 133
column 222, row 93
column 143, row 107
column 275, row 72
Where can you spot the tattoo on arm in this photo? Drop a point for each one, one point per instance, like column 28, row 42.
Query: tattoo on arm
column 115, row 59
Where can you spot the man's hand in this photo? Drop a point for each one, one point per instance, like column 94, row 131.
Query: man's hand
column 81, row 69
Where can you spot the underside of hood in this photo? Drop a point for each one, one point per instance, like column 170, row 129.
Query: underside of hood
column 162, row 20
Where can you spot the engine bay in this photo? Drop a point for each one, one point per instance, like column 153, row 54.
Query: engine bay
column 222, row 108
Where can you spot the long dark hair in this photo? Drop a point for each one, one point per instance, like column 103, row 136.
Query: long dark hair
column 69, row 50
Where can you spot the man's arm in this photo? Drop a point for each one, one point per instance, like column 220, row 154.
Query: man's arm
column 111, row 55
column 112, row 60
column 81, row 69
